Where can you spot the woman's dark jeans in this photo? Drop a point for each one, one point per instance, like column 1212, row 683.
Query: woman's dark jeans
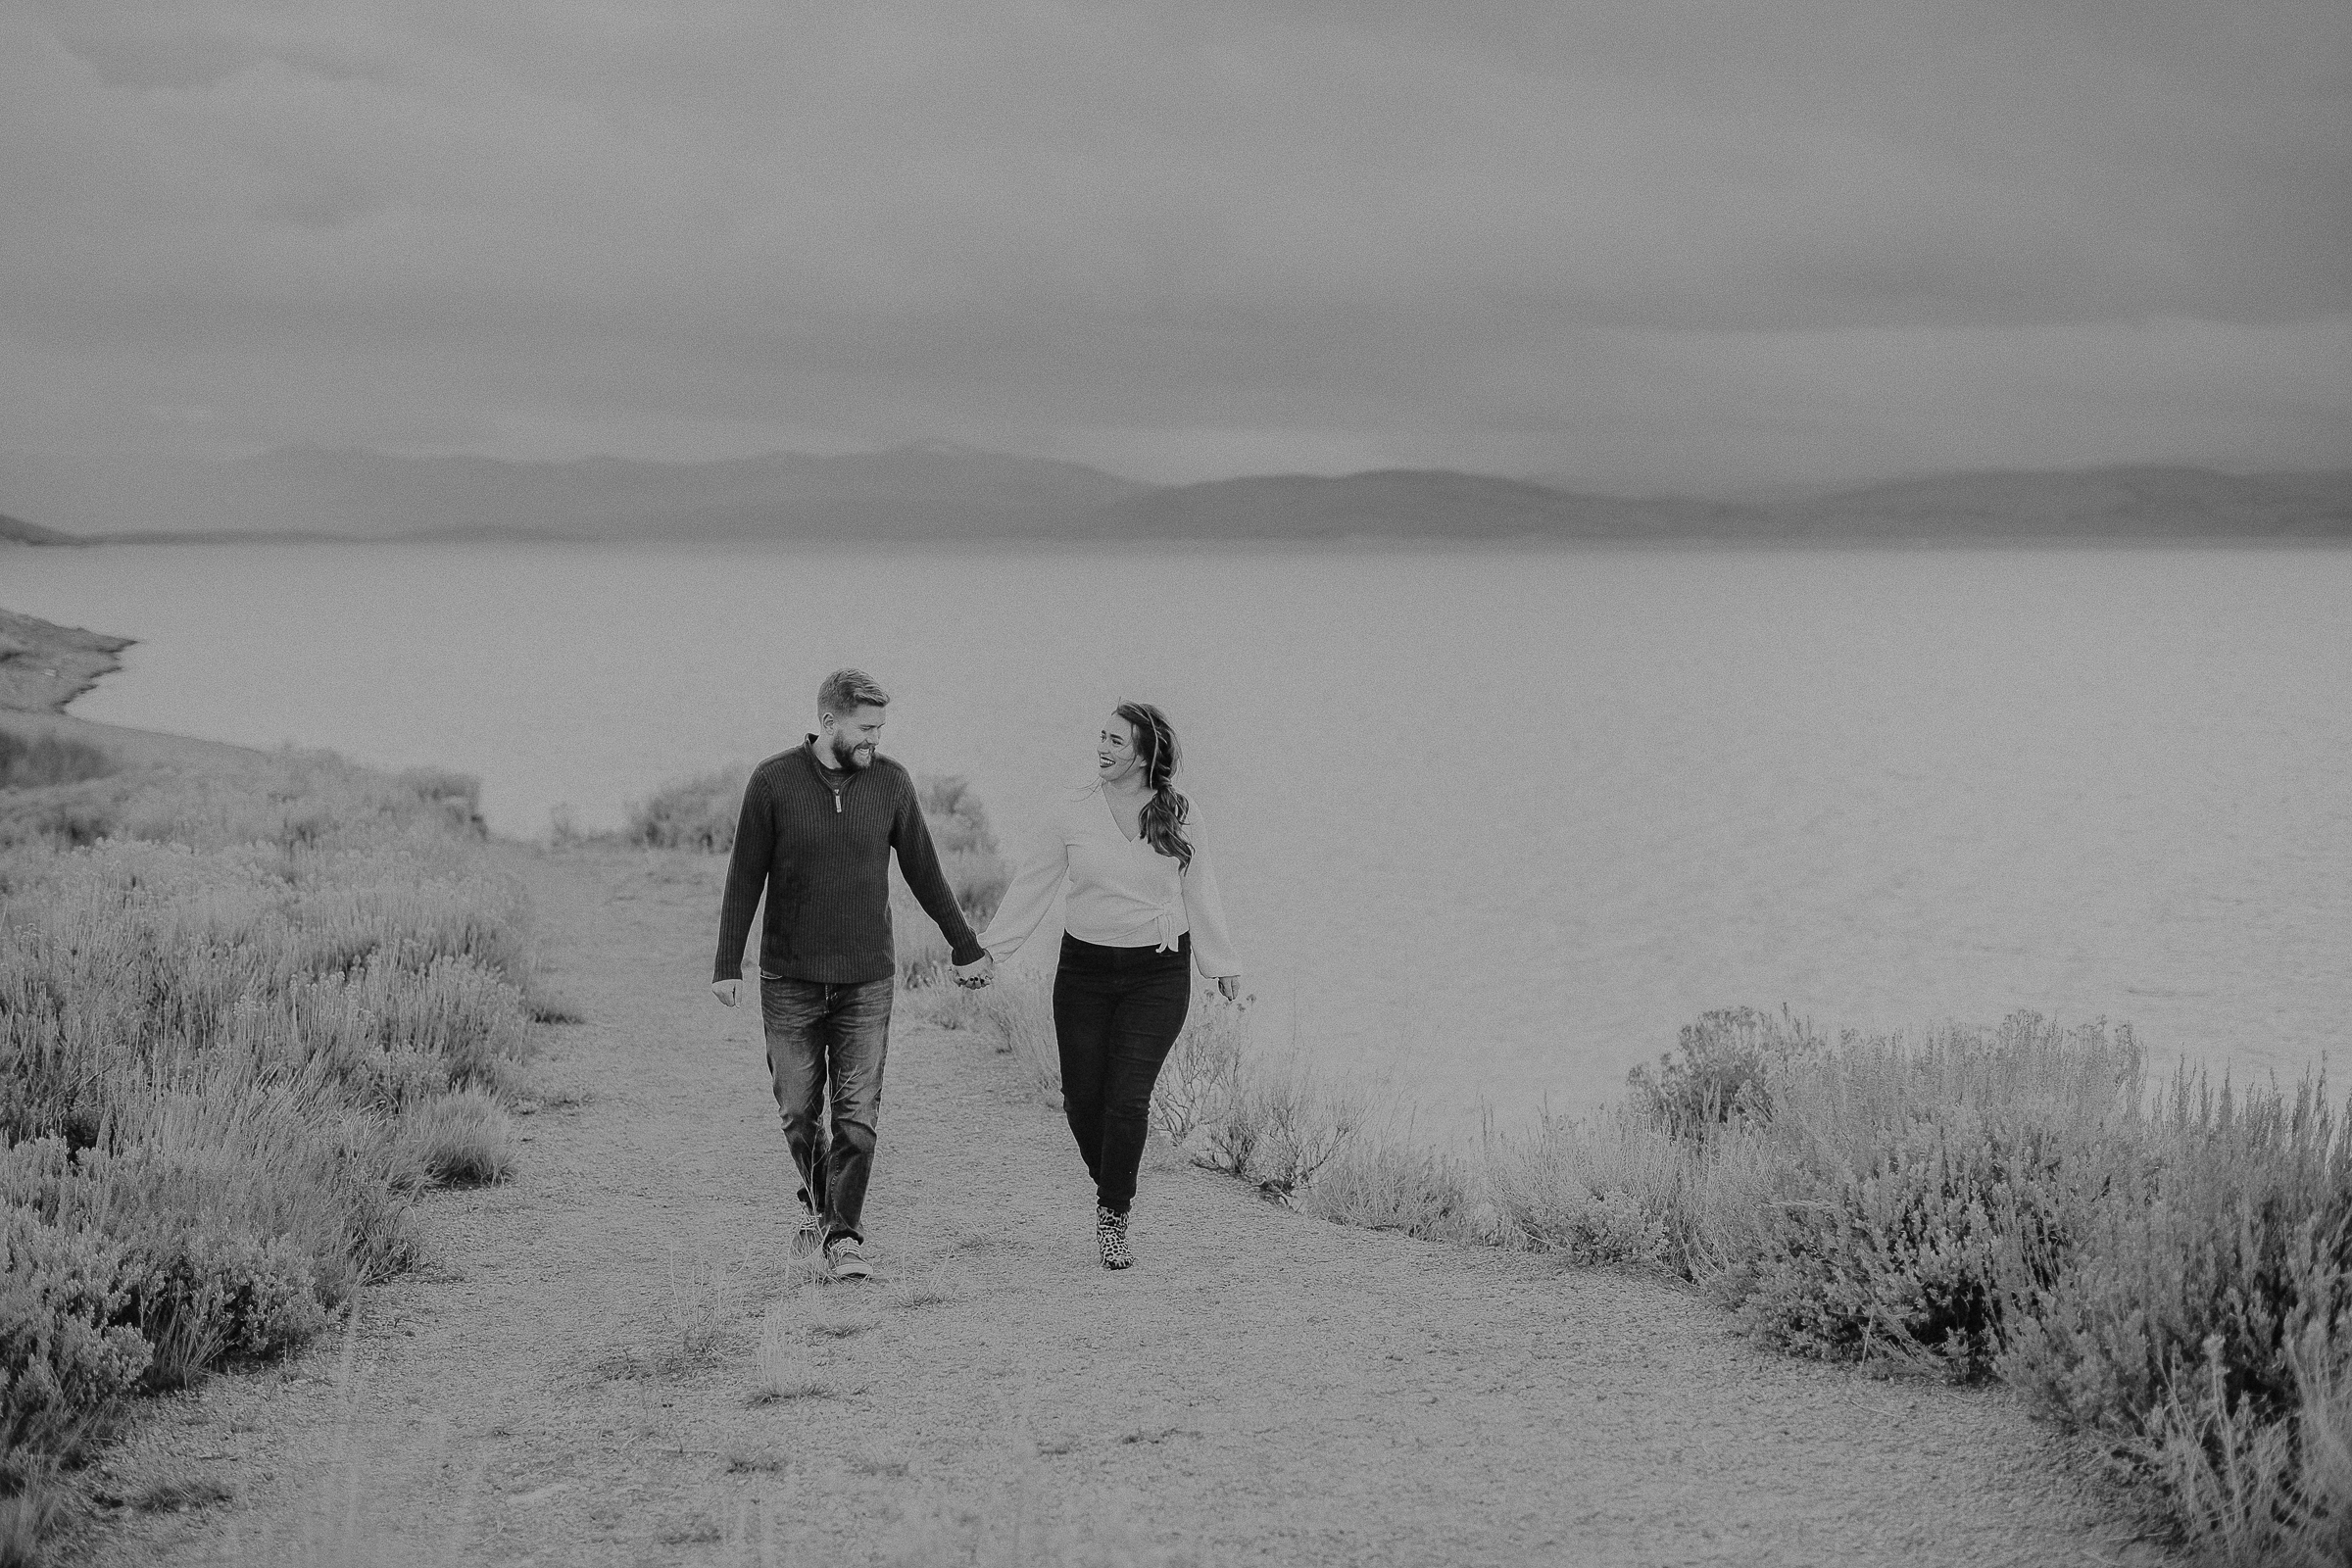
column 1116, row 1015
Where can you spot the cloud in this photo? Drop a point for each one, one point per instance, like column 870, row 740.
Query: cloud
column 1667, row 236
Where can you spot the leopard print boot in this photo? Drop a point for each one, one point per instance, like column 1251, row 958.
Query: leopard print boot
column 1111, row 1238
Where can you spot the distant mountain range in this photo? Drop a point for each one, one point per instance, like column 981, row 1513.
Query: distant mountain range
column 934, row 491
column 16, row 530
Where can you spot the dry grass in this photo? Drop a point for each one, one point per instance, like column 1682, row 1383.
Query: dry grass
column 248, row 1015
column 463, row 1138
column 940, row 1283
column 785, row 1368
column 841, row 1325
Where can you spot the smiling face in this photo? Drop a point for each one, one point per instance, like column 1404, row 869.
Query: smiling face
column 850, row 738
column 1116, row 760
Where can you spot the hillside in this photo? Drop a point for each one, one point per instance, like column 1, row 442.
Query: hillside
column 2154, row 502
column 933, row 491
column 1399, row 503
column 926, row 490
column 16, row 531
column 2134, row 503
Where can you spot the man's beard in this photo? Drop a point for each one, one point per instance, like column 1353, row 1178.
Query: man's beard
column 854, row 757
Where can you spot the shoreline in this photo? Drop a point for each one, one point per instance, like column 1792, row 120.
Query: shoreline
column 44, row 667
column 51, row 666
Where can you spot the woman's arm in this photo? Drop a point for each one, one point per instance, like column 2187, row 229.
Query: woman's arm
column 1205, row 912
column 1031, row 892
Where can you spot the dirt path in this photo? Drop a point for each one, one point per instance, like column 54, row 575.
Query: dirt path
column 570, row 1385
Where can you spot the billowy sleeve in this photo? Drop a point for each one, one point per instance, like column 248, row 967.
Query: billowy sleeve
column 1031, row 892
column 1205, row 911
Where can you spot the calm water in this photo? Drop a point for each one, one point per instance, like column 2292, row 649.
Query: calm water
column 1494, row 822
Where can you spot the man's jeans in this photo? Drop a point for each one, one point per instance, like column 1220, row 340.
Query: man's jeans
column 826, row 1040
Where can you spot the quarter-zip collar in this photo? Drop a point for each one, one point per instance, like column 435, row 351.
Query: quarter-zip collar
column 826, row 775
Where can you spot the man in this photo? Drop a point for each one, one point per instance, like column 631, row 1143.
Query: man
column 817, row 829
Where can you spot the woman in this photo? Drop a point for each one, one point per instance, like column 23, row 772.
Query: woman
column 1143, row 907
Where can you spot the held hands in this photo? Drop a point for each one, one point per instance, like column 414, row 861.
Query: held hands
column 1230, row 987
column 979, row 973
column 726, row 990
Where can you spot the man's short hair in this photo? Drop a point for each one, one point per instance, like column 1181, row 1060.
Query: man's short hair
column 847, row 689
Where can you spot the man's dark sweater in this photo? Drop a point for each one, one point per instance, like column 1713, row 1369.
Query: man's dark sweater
column 818, row 842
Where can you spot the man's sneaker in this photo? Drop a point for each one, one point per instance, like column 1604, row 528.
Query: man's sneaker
column 1111, row 1239
column 847, row 1259
column 810, row 1235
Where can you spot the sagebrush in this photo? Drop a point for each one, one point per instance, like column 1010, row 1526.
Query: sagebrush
column 246, row 1015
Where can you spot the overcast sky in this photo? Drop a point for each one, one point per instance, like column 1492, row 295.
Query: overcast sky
column 1646, row 245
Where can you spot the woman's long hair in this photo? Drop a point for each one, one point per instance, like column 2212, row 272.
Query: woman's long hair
column 1164, row 813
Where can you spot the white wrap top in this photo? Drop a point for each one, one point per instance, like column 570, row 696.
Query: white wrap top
column 1122, row 892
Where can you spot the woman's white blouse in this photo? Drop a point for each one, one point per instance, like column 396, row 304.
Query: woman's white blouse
column 1122, row 892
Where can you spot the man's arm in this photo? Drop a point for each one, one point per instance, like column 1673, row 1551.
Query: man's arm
column 747, row 877
column 918, row 864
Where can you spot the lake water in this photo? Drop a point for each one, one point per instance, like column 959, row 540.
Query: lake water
column 1493, row 823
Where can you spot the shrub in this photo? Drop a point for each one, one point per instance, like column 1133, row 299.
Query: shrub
column 457, row 796
column 1394, row 1185
column 1606, row 1190
column 958, row 821
column 47, row 760
column 691, row 814
column 260, row 1007
column 1204, row 1083
column 1724, row 1072
column 2225, row 1235
column 1283, row 1132
column 66, row 1351
column 1925, row 1185
column 2199, row 1316
column 2251, row 1490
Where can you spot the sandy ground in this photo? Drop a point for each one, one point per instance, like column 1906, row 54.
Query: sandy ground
column 575, row 1380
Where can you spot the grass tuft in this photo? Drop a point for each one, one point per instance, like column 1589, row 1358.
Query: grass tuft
column 549, row 1008
column 745, row 1461
column 939, row 1284
column 785, row 1370
column 174, row 1497
column 463, row 1139
column 29, row 1517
